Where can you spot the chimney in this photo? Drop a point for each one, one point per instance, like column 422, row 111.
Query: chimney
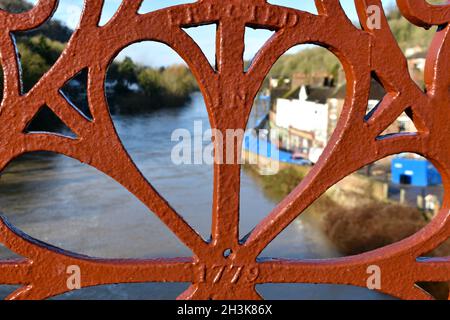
column 303, row 94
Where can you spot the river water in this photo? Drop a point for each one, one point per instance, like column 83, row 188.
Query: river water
column 72, row 206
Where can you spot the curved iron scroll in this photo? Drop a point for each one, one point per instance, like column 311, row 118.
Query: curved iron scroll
column 229, row 93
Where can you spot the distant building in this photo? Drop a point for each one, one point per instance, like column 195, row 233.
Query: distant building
column 415, row 171
column 280, row 83
column 417, row 61
column 306, row 116
column 316, row 79
column 301, row 120
column 416, row 66
column 413, row 50
column 110, row 87
column 336, row 103
column 337, row 99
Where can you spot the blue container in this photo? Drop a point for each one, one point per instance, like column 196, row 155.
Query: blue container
column 416, row 172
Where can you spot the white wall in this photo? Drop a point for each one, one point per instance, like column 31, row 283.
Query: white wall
column 303, row 115
column 372, row 104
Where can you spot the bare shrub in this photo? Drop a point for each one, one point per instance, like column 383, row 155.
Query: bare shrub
column 372, row 226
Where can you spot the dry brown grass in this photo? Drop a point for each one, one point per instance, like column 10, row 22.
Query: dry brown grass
column 376, row 225
column 354, row 230
column 371, row 226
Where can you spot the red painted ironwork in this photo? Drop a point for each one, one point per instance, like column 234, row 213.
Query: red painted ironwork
column 229, row 93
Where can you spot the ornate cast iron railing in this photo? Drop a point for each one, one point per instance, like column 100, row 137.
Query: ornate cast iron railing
column 229, row 93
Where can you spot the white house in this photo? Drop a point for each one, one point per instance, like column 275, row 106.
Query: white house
column 307, row 113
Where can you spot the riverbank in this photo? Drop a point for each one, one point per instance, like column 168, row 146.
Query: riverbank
column 354, row 215
column 74, row 207
column 131, row 88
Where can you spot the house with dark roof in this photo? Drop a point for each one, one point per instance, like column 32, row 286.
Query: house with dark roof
column 299, row 121
column 303, row 118
column 313, row 94
column 416, row 66
column 417, row 61
column 336, row 102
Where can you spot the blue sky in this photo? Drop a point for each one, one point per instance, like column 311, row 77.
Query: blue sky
column 153, row 54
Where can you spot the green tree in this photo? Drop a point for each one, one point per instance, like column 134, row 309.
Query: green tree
column 126, row 75
column 127, row 71
column 178, row 80
column 33, row 66
column 150, row 82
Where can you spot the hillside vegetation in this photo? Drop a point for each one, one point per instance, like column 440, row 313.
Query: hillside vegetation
column 135, row 88
column 316, row 59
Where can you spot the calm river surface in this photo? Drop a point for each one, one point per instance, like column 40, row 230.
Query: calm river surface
column 70, row 205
